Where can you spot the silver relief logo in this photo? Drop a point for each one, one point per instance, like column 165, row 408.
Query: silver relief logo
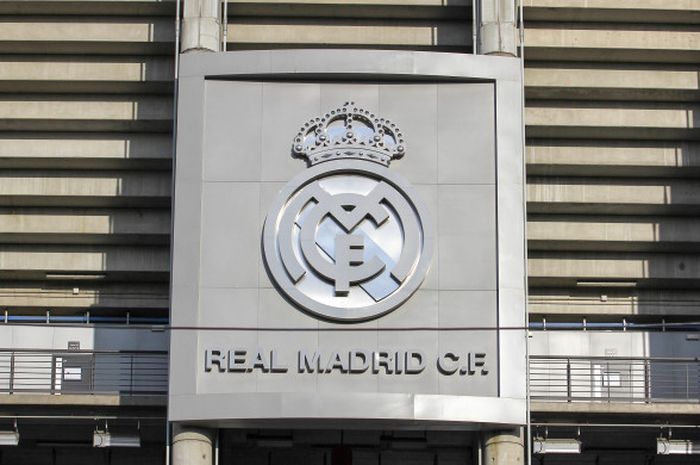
column 348, row 239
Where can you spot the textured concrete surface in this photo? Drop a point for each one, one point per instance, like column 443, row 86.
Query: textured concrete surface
column 83, row 296
column 581, row 302
column 614, row 233
column 504, row 448
column 192, row 446
column 616, row 407
column 618, row 158
column 351, row 32
column 48, row 400
column 619, row 266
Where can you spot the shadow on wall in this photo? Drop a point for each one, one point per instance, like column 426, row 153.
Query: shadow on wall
column 639, row 259
column 677, row 272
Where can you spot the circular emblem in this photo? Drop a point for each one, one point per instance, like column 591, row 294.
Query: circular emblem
column 347, row 239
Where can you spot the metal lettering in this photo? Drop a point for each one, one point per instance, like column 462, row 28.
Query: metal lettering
column 383, row 359
column 309, row 363
column 362, row 358
column 355, row 361
column 337, row 362
column 477, row 360
column 275, row 367
column 447, row 363
column 237, row 360
column 399, row 362
column 214, row 357
column 260, row 362
column 415, row 362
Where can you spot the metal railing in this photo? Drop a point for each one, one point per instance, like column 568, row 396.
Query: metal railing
column 614, row 379
column 83, row 372
column 552, row 378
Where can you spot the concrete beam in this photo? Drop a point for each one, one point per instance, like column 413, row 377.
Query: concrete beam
column 80, row 150
column 128, row 35
column 632, row 43
column 651, row 5
column 612, row 121
column 550, row 269
column 613, row 196
column 613, row 301
column 103, row 400
column 612, row 158
column 586, row 81
column 369, row 9
column 86, row 68
column 403, row 3
column 623, row 408
column 101, row 113
column 643, row 11
column 53, row 259
column 136, row 29
column 94, row 189
column 244, row 33
column 83, row 295
column 81, row 74
column 88, row 7
column 577, row 233
column 84, row 226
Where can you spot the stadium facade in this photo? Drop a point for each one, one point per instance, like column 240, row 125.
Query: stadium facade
column 349, row 232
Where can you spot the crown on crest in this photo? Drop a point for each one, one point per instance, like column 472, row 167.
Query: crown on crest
column 349, row 132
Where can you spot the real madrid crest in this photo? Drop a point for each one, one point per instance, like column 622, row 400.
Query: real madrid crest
column 348, row 239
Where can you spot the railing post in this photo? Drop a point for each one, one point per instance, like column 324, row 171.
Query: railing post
column 630, row 375
column 568, row 380
column 687, row 381
column 607, row 373
column 131, row 374
column 12, row 372
column 53, row 373
column 647, row 381
column 93, row 367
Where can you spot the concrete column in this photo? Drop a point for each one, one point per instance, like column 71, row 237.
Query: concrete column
column 497, row 28
column 504, row 448
column 201, row 26
column 192, row 446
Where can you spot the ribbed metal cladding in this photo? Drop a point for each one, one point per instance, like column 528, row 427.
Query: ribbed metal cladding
column 613, row 158
column 86, row 109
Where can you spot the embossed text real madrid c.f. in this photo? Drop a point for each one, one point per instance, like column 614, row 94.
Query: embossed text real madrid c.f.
column 348, row 239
